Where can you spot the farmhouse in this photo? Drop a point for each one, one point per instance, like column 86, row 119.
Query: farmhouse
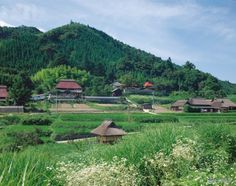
column 108, row 132
column 68, row 89
column 205, row 105
column 3, row 93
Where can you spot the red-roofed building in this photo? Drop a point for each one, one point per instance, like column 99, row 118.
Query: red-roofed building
column 3, row 92
column 148, row 84
column 68, row 84
column 68, row 89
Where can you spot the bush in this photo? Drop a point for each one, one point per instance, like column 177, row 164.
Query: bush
column 37, row 121
column 23, row 139
column 3, row 122
column 10, row 120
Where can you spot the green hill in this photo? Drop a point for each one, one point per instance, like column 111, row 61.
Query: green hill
column 76, row 45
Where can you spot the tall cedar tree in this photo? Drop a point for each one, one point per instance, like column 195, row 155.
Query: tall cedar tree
column 21, row 89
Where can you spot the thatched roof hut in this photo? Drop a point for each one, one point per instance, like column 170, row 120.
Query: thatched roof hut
column 108, row 132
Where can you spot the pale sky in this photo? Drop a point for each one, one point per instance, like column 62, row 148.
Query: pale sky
column 200, row 31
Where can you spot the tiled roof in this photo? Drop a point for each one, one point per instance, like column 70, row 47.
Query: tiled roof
column 200, row 101
column 68, row 84
column 179, row 103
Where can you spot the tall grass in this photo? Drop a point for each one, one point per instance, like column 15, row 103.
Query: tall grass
column 26, row 168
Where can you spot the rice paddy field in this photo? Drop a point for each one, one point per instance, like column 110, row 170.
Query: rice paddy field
column 163, row 149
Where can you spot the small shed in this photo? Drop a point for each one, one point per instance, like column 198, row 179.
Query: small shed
column 108, row 132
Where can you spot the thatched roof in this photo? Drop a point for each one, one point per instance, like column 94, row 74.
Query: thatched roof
column 216, row 103
column 199, row 101
column 179, row 103
column 108, row 128
column 225, row 102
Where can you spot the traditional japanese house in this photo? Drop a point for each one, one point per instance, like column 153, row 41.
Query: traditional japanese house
column 68, row 89
column 205, row 105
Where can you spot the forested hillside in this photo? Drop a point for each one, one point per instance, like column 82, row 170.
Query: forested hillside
column 102, row 57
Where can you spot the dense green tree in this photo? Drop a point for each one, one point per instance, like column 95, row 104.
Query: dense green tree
column 189, row 65
column 21, row 89
column 47, row 78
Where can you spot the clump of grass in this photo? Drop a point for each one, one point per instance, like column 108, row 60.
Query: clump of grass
column 27, row 168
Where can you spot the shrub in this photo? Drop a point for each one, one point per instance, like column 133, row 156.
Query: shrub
column 10, row 119
column 3, row 122
column 39, row 120
column 23, row 139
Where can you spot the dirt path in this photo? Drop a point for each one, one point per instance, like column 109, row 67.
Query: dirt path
column 160, row 109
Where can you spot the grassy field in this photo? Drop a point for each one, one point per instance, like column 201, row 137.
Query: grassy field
column 70, row 126
column 170, row 149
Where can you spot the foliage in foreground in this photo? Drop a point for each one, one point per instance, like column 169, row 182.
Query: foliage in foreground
column 167, row 155
column 27, row 168
column 162, row 154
